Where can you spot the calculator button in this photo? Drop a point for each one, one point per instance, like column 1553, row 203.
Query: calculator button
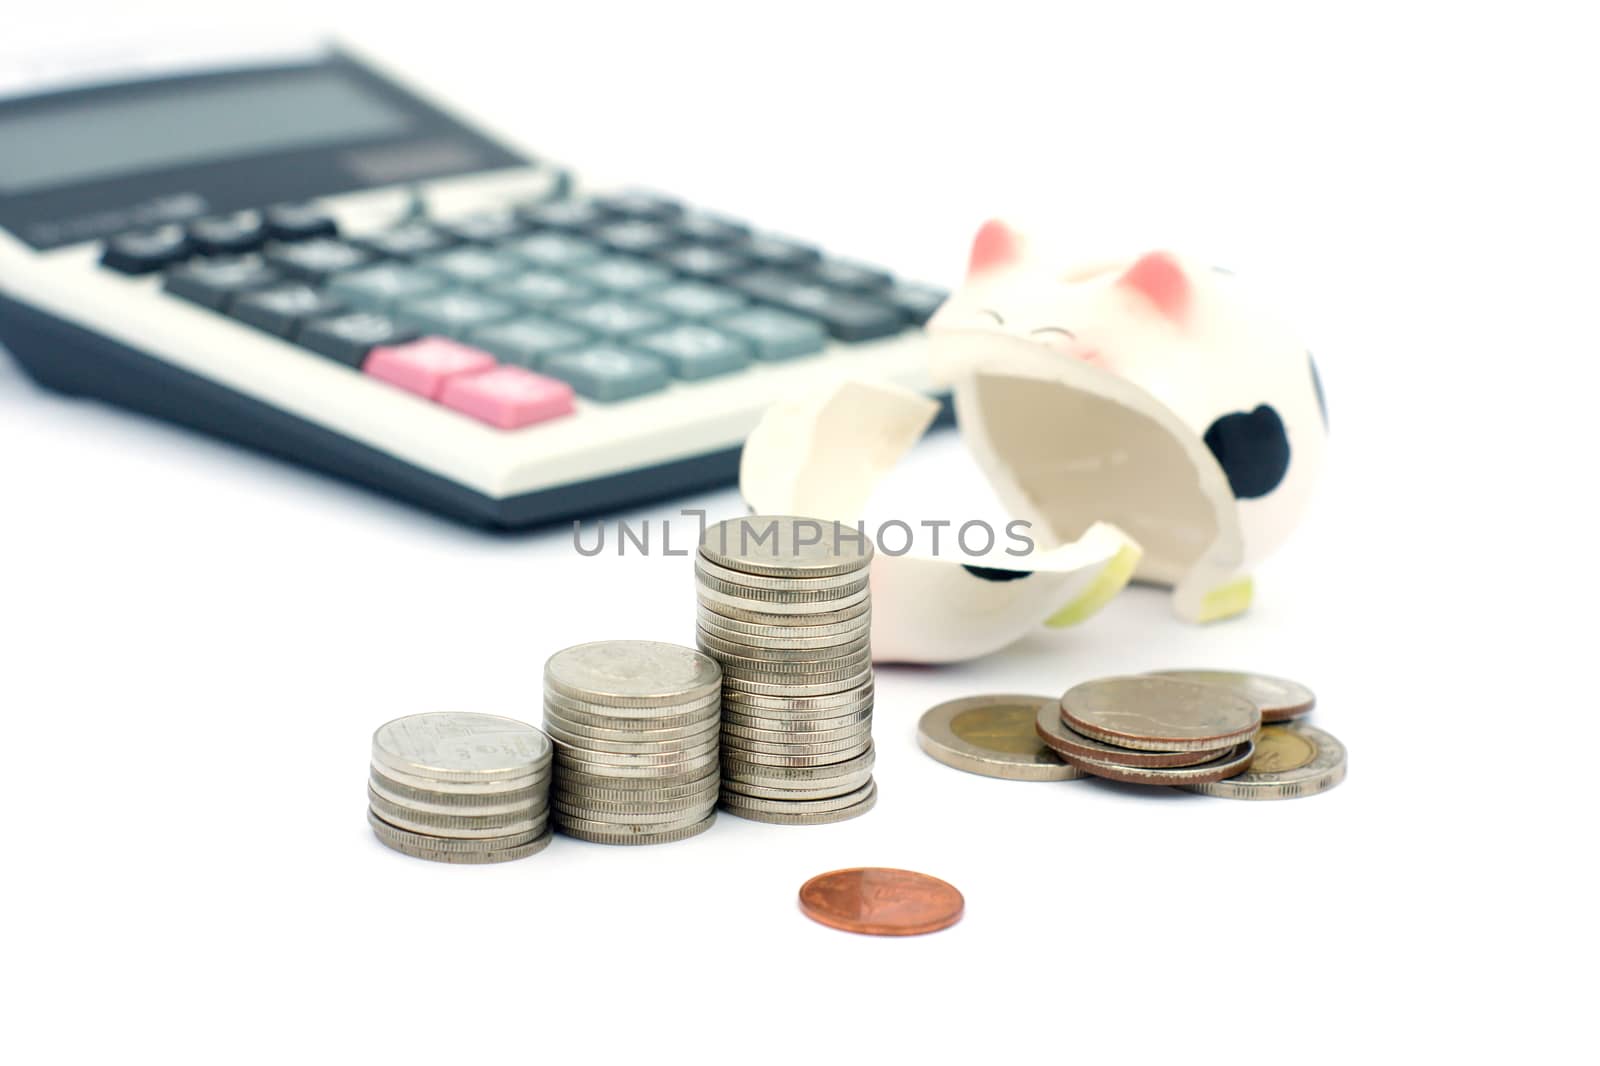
column 529, row 340
column 694, row 351
column 916, row 301
column 556, row 251
column 349, row 337
column 570, row 215
column 454, row 314
column 242, row 231
column 615, row 318
column 384, row 285
column 145, row 251
column 642, row 205
column 423, row 366
column 508, row 397
column 846, row 316
column 472, row 266
column 282, row 308
column 624, row 275
column 695, row 299
column 637, row 236
column 707, row 264
column 484, row 227
column 843, row 274
column 710, row 229
column 315, row 259
column 774, row 334
column 539, row 289
column 299, row 222
column 779, row 252
column 214, row 282
column 407, row 240
column 605, row 372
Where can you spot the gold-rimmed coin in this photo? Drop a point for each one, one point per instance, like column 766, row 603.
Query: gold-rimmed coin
column 993, row 736
column 1291, row 761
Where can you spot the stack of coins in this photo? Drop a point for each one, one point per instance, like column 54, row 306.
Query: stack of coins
column 635, row 726
column 463, row 788
column 784, row 607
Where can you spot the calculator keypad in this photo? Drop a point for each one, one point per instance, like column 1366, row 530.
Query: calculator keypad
column 505, row 315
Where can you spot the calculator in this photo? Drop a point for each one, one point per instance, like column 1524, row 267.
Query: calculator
column 303, row 254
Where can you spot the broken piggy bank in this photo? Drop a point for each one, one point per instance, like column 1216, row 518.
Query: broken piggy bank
column 1151, row 394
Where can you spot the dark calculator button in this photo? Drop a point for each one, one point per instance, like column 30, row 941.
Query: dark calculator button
column 349, row 337
column 858, row 277
column 846, row 316
column 916, row 301
column 242, row 231
column 282, row 308
column 709, row 229
column 316, row 259
column 407, row 240
column 707, row 264
column 640, row 205
column 484, row 227
column 569, row 215
column 637, row 236
column 215, row 282
column 146, row 250
column 299, row 222
column 779, row 252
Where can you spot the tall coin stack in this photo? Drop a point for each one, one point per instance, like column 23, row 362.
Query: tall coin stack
column 785, row 608
column 635, row 726
column 465, row 788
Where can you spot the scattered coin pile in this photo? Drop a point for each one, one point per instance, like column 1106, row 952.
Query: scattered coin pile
column 463, row 788
column 635, row 726
column 785, row 609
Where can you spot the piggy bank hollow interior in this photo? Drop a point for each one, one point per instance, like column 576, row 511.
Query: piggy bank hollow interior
column 1080, row 458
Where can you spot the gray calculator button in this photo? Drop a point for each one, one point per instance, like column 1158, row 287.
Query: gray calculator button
column 384, row 285
column 540, row 289
column 637, row 236
column 472, row 266
column 694, row 299
column 454, row 314
column 710, row 264
column 693, row 351
column 845, row 274
column 614, row 318
column 528, row 340
column 620, row 274
column 606, row 372
column 558, row 251
column 775, row 334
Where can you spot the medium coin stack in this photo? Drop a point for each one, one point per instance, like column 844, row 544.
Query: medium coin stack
column 785, row 609
column 635, row 725
column 462, row 788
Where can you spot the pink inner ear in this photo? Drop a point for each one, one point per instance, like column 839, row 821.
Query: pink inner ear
column 1160, row 279
column 996, row 245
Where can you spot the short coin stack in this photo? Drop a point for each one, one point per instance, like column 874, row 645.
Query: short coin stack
column 635, row 725
column 462, row 788
column 785, row 609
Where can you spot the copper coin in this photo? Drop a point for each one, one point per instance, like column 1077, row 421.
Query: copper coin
column 879, row 901
column 1068, row 742
column 1232, row 763
column 1159, row 714
column 1279, row 700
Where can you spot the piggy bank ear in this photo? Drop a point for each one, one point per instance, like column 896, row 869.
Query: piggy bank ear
column 1159, row 278
column 996, row 245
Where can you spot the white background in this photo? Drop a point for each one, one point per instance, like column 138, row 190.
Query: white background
column 196, row 643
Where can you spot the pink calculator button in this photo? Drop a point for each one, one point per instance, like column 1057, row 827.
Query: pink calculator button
column 508, row 397
column 424, row 366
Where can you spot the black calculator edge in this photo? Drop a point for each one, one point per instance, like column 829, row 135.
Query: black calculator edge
column 72, row 360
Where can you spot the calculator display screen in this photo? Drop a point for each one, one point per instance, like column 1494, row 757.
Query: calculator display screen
column 78, row 140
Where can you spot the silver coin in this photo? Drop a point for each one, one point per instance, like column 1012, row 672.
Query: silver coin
column 505, row 812
column 786, row 546
column 1159, row 714
column 738, row 735
column 809, row 671
column 732, row 642
column 521, row 851
column 698, row 730
column 699, row 741
column 1228, row 764
column 769, row 723
column 1068, row 743
column 434, row 842
column 427, row 825
column 993, row 736
column 705, row 568
column 738, row 758
column 625, row 675
column 738, row 803
column 785, row 611
column 643, row 802
column 575, row 713
column 772, row 774
column 807, row 629
column 569, row 762
column 809, row 818
column 783, row 620
column 853, row 741
column 400, row 792
column 1278, row 699
column 599, row 825
column 459, row 747
column 572, row 779
column 716, row 647
column 590, row 751
column 785, row 591
column 821, row 688
column 816, row 790
column 1292, row 761
column 798, row 707
column 669, row 819
column 596, row 836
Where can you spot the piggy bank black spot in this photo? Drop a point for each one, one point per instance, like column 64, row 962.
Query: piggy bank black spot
column 989, row 573
column 1253, row 450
